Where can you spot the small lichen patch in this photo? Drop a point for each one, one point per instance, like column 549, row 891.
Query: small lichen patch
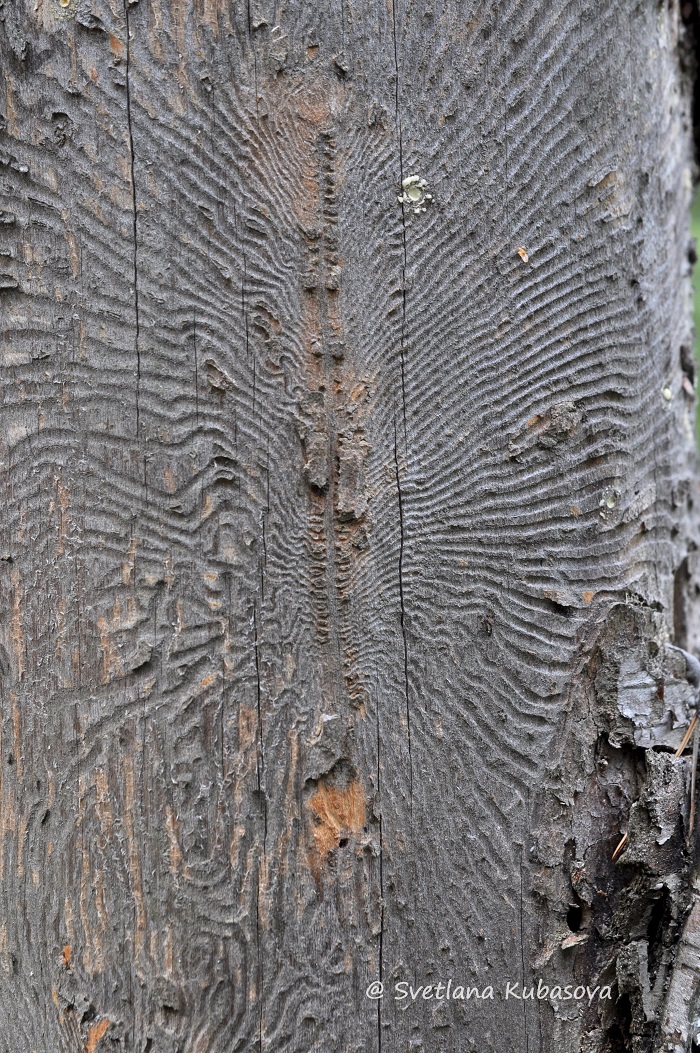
column 415, row 193
column 608, row 501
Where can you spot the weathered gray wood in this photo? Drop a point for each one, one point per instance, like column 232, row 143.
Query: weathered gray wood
column 343, row 543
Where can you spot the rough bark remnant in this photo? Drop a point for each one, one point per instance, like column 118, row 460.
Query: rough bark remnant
column 348, row 477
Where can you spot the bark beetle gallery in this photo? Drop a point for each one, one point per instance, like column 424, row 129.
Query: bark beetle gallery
column 349, row 547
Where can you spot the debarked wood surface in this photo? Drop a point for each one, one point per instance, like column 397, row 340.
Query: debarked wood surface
column 326, row 498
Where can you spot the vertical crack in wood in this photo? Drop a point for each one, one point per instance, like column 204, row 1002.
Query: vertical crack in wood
column 132, row 168
column 402, row 612
column 522, row 952
column 380, row 969
column 399, row 132
column 402, row 362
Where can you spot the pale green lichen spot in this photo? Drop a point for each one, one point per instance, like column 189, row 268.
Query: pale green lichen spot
column 608, row 500
column 415, row 193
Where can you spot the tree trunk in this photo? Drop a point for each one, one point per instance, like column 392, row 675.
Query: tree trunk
column 348, row 461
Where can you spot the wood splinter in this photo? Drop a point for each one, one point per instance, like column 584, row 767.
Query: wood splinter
column 686, row 737
column 691, row 732
column 619, row 848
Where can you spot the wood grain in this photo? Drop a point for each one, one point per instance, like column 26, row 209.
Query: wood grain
column 316, row 507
